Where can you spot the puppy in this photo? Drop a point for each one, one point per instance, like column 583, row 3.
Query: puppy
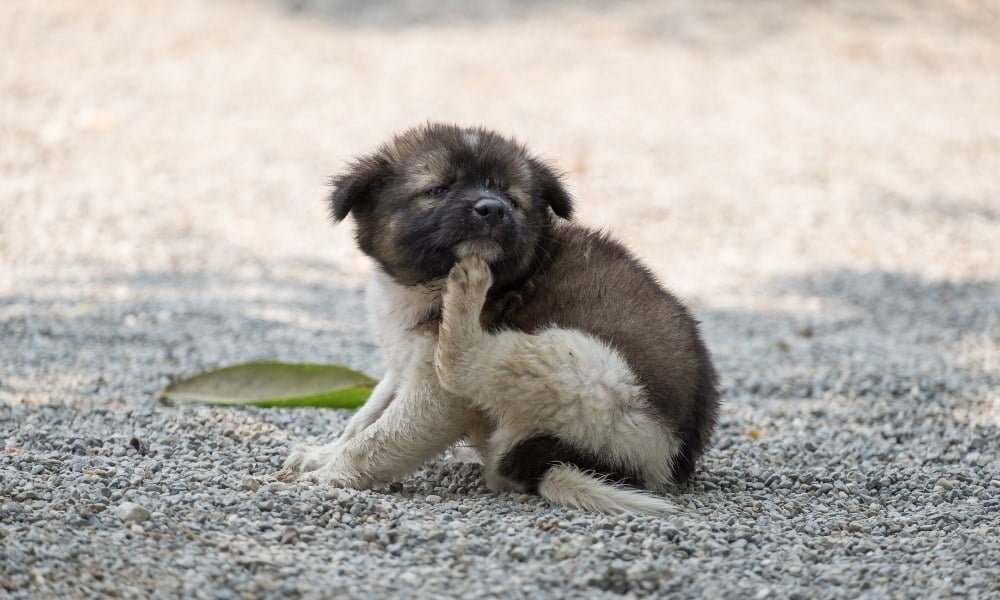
column 546, row 345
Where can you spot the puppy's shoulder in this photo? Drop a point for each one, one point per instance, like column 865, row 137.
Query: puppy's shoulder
column 593, row 283
column 590, row 264
column 579, row 244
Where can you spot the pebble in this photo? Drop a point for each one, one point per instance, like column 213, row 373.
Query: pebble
column 290, row 536
column 131, row 512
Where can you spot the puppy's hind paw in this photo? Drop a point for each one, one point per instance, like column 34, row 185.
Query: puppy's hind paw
column 470, row 277
column 460, row 330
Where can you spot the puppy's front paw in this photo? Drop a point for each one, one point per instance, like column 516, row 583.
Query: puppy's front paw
column 334, row 474
column 304, row 458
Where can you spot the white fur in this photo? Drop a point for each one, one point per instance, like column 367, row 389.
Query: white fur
column 394, row 311
column 373, row 408
column 487, row 249
column 421, row 421
column 471, row 139
column 567, row 485
column 494, row 390
column 409, row 417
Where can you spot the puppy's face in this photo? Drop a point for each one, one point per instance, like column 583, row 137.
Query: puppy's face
column 438, row 193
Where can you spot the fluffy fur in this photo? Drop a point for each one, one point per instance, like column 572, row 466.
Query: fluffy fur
column 546, row 345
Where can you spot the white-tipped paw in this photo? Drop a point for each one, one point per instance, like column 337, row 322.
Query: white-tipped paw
column 330, row 475
column 304, row 459
column 470, row 278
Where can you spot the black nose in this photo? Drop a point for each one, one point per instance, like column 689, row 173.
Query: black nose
column 490, row 209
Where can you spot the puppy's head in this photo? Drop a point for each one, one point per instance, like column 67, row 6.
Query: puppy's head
column 437, row 193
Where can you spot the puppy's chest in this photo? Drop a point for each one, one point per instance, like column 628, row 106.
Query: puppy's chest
column 403, row 318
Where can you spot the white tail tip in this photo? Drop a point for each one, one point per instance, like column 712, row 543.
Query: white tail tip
column 567, row 485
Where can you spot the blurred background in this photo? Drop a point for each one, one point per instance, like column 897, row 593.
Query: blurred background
column 820, row 180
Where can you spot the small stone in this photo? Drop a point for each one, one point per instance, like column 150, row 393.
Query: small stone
column 638, row 572
column 433, row 499
column 263, row 581
column 290, row 536
column 130, row 512
column 437, row 536
column 946, row 483
column 369, row 533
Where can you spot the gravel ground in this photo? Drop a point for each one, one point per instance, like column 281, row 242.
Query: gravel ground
column 821, row 182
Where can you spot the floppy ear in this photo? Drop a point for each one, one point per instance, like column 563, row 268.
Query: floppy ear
column 549, row 187
column 353, row 187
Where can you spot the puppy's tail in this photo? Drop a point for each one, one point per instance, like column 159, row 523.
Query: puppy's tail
column 567, row 485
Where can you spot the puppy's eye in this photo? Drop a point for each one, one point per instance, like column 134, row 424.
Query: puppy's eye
column 437, row 190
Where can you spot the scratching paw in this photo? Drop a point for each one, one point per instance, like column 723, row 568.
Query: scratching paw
column 460, row 330
column 470, row 276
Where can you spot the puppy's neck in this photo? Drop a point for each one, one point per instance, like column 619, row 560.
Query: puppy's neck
column 401, row 306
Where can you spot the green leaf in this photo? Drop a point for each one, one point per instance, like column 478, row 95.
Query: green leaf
column 270, row 383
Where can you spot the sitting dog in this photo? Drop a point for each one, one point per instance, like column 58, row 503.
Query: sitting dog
column 545, row 345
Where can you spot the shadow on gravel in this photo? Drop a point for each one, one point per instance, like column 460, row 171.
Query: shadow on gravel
column 880, row 337
column 893, row 297
column 116, row 338
column 878, row 334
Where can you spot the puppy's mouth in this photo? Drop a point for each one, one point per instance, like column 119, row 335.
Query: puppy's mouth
column 484, row 247
column 489, row 221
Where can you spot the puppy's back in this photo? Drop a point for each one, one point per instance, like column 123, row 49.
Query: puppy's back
column 589, row 282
